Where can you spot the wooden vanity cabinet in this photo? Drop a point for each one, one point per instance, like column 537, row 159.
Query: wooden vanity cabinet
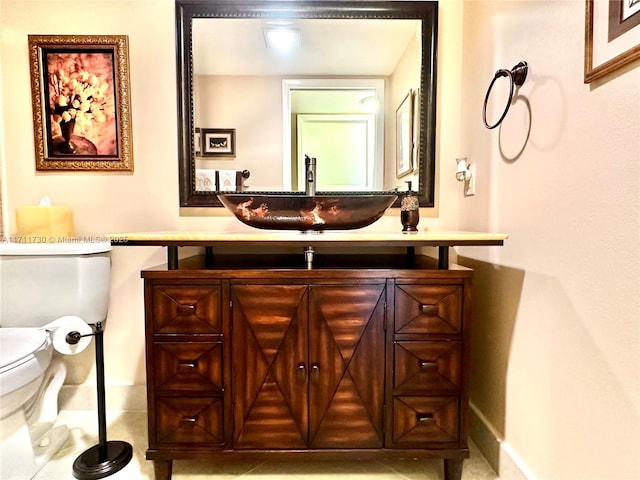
column 338, row 360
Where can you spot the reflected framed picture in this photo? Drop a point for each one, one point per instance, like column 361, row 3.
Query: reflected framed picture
column 80, row 100
column 218, row 142
column 404, row 136
column 197, row 142
column 416, row 131
column 612, row 36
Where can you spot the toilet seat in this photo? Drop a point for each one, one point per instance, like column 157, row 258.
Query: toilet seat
column 25, row 354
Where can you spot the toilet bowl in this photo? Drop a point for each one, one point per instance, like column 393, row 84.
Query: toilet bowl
column 41, row 283
column 25, row 355
column 29, row 384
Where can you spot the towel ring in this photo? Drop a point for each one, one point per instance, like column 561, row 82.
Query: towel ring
column 517, row 76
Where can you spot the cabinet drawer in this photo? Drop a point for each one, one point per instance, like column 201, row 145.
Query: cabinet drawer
column 419, row 420
column 195, row 366
column 427, row 366
column 189, row 420
column 187, row 309
column 428, row 309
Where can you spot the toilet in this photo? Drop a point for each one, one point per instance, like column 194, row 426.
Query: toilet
column 39, row 284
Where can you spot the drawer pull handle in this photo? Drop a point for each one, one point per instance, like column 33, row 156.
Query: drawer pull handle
column 189, row 365
column 189, row 420
column 429, row 309
column 186, row 309
column 427, row 364
column 425, row 417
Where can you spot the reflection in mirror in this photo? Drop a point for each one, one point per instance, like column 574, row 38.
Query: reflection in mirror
column 332, row 94
column 341, row 122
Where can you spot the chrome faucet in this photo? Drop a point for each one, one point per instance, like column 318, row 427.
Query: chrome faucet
column 310, row 176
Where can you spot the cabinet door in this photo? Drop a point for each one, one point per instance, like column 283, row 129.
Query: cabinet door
column 347, row 360
column 269, row 356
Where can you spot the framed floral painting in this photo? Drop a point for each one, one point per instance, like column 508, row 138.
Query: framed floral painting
column 81, row 102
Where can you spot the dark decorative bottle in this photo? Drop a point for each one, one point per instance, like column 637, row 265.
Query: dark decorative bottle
column 409, row 210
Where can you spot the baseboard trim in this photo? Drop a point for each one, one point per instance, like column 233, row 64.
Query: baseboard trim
column 499, row 453
column 117, row 397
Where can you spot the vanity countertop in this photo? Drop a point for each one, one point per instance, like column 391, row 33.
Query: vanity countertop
column 295, row 238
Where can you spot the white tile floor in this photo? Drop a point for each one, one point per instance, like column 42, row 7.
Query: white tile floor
column 131, row 427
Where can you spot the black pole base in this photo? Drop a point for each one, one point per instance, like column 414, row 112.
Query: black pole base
column 89, row 465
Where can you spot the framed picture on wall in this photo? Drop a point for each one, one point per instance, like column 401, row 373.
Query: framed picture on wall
column 80, row 100
column 218, row 142
column 404, row 136
column 612, row 36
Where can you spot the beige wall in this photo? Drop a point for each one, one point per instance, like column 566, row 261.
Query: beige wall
column 405, row 78
column 253, row 106
column 556, row 338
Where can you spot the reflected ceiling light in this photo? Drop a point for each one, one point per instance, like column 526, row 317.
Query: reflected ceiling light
column 281, row 36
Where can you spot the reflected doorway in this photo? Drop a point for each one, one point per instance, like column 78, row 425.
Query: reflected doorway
column 341, row 123
column 344, row 143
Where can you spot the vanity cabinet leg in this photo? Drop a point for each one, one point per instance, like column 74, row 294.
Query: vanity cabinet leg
column 162, row 469
column 452, row 469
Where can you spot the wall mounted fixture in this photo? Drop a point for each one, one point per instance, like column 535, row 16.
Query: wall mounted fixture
column 462, row 171
column 517, row 76
column 466, row 173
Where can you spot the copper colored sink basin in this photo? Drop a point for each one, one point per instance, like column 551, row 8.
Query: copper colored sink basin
column 301, row 212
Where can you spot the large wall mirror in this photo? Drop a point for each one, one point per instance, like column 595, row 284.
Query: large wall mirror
column 261, row 84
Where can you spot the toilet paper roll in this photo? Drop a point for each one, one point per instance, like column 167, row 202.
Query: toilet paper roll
column 61, row 327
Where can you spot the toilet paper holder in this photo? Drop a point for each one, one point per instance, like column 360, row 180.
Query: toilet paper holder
column 73, row 338
column 107, row 457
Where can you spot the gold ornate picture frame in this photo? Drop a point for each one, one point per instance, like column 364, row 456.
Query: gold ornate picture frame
column 81, row 102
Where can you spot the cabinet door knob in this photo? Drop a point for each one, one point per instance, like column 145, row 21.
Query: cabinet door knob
column 315, row 371
column 301, row 372
column 428, row 309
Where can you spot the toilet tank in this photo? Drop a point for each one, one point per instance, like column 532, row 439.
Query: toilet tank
column 40, row 282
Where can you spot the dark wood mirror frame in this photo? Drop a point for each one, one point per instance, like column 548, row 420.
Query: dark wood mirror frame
column 186, row 10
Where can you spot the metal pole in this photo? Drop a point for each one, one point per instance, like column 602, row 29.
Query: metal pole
column 102, row 421
column 443, row 257
column 105, row 458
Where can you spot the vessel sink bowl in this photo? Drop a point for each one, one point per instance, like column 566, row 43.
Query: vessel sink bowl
column 290, row 211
